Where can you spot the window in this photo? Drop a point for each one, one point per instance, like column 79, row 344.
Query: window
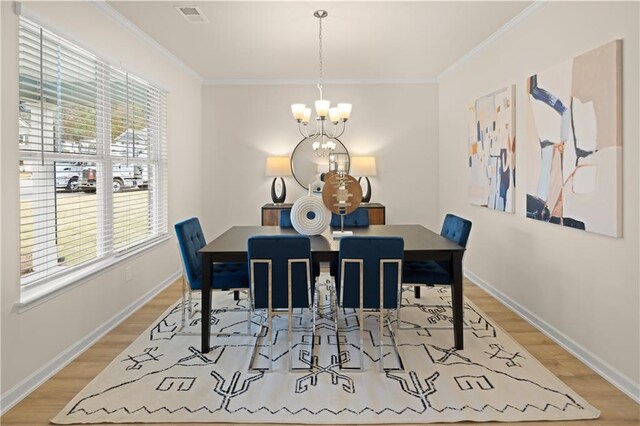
column 93, row 172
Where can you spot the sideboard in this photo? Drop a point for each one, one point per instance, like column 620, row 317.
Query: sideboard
column 271, row 213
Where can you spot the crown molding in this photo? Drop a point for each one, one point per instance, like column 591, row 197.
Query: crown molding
column 310, row 81
column 105, row 8
column 509, row 25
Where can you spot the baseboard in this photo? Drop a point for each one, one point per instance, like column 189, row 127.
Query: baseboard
column 28, row 385
column 610, row 374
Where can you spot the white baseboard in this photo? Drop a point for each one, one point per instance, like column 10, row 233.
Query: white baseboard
column 592, row 361
column 29, row 384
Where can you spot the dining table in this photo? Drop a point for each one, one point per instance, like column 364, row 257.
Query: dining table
column 420, row 244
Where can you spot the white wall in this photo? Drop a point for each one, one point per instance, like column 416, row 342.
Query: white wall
column 583, row 287
column 31, row 339
column 244, row 124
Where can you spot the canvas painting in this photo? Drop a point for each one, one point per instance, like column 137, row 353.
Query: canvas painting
column 492, row 149
column 574, row 146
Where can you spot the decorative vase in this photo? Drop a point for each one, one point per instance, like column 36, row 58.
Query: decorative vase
column 309, row 216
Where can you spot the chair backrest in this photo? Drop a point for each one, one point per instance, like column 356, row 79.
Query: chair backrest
column 285, row 219
column 371, row 250
column 190, row 240
column 456, row 229
column 279, row 249
column 357, row 218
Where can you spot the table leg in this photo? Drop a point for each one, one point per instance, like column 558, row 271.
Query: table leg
column 236, row 295
column 416, row 291
column 457, row 300
column 205, row 315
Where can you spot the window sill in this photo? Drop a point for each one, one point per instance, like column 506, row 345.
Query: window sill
column 30, row 298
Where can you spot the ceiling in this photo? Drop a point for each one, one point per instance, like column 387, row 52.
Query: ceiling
column 362, row 40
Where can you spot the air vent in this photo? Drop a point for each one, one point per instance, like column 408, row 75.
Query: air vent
column 192, row 14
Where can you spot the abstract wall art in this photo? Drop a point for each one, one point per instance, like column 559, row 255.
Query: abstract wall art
column 492, row 149
column 574, row 146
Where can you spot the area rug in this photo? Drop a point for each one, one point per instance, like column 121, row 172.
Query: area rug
column 162, row 377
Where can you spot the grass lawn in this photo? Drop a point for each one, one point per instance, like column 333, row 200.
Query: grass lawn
column 76, row 216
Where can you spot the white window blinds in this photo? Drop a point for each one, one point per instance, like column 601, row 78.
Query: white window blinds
column 92, row 143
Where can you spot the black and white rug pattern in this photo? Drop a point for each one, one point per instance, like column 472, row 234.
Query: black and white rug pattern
column 163, row 377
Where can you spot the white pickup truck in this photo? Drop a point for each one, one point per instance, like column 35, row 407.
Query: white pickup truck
column 123, row 177
column 131, row 144
column 67, row 175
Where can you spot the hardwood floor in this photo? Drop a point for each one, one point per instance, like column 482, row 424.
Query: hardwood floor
column 45, row 402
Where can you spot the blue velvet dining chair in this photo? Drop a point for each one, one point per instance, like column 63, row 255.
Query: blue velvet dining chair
column 430, row 273
column 357, row 218
column 226, row 275
column 285, row 218
column 280, row 279
column 369, row 276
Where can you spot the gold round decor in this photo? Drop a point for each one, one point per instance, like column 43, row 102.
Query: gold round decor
column 328, row 175
column 341, row 195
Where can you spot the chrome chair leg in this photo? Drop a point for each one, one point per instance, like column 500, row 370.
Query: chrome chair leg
column 381, row 316
column 254, row 351
column 360, row 315
column 312, row 307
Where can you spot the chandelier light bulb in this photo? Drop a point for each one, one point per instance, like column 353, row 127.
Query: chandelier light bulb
column 315, row 145
column 344, row 111
column 298, row 111
column 322, row 108
column 334, row 115
column 307, row 115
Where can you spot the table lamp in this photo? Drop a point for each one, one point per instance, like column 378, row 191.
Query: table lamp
column 364, row 167
column 278, row 167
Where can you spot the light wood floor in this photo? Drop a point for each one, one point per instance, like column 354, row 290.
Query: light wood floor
column 45, row 402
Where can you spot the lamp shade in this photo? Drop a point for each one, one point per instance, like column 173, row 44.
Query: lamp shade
column 363, row 166
column 278, row 166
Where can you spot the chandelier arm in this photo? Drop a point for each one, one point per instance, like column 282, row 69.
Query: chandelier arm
column 302, row 132
column 331, row 134
column 344, row 126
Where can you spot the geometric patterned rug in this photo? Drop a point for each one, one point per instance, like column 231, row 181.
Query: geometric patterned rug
column 163, row 378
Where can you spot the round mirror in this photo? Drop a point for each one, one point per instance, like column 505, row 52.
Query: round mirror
column 307, row 166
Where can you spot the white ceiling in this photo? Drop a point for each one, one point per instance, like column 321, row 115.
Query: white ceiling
column 362, row 40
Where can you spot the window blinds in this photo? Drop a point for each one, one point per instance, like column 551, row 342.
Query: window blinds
column 93, row 181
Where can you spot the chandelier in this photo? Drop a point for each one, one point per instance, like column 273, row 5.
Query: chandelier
column 324, row 133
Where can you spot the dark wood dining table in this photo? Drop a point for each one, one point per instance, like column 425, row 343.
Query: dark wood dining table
column 420, row 243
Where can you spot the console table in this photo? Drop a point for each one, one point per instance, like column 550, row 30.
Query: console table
column 271, row 213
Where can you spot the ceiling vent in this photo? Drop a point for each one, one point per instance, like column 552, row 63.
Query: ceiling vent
column 192, row 14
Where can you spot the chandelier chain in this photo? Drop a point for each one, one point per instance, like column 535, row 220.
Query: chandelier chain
column 320, row 57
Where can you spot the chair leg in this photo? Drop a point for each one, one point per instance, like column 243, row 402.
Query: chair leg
column 249, row 322
column 381, row 337
column 290, row 320
column 255, row 346
column 333, row 302
column 270, row 322
column 186, row 307
column 361, row 319
column 184, row 301
column 395, row 348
